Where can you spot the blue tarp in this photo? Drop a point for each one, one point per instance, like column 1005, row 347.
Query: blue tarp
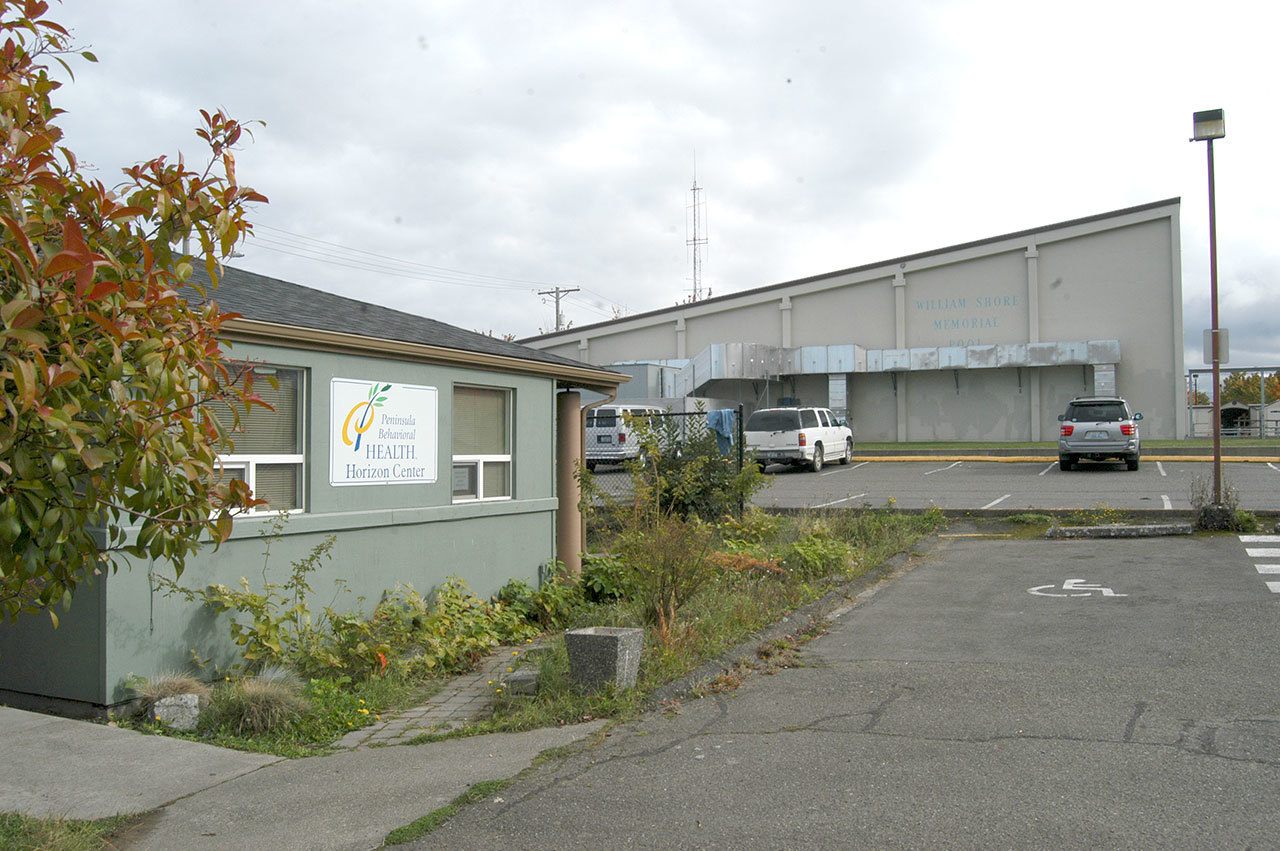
column 721, row 421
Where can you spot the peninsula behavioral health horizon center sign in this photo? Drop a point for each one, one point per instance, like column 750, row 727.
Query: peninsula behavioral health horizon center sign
column 382, row 433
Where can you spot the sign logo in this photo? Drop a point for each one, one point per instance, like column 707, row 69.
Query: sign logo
column 366, row 415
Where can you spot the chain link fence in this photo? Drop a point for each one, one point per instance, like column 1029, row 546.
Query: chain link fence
column 658, row 444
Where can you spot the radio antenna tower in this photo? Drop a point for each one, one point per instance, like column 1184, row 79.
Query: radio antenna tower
column 696, row 232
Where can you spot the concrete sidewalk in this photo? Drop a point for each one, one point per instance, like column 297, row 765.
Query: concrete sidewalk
column 349, row 800
column 201, row 796
column 80, row 770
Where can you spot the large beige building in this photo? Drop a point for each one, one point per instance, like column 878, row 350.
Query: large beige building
column 982, row 341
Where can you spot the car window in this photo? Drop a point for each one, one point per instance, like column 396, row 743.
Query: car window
column 808, row 419
column 1096, row 412
column 774, row 421
column 604, row 419
column 823, row 419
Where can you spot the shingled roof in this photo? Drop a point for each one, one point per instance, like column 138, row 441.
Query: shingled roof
column 267, row 299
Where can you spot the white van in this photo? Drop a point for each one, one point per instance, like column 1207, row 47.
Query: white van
column 610, row 438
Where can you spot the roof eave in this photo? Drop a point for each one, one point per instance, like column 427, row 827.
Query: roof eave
column 293, row 336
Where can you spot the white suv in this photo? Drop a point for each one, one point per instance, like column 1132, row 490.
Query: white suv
column 797, row 436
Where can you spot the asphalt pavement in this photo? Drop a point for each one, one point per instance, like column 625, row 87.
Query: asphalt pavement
column 1029, row 486
column 1006, row 692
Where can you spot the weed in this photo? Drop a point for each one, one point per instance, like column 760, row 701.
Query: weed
column 21, row 832
column 1030, row 519
column 152, row 690
column 417, row 829
column 1100, row 514
column 255, row 705
column 1225, row 516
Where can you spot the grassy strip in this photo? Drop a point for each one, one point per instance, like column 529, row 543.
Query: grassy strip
column 716, row 620
column 26, row 833
column 432, row 820
column 336, row 709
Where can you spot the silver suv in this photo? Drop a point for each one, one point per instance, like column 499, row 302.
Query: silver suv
column 1099, row 428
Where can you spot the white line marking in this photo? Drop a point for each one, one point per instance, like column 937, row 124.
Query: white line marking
column 838, row 501
column 997, row 502
column 1268, row 568
column 940, row 469
column 843, row 469
column 1263, row 552
column 1273, row 466
column 1160, row 467
column 1168, row 506
column 1260, row 539
column 1047, row 469
column 1274, row 586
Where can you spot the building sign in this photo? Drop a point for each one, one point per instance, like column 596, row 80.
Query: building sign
column 382, row 433
column 965, row 319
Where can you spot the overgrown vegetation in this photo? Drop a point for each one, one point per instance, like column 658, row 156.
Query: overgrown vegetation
column 1226, row 516
column 417, row 829
column 26, row 833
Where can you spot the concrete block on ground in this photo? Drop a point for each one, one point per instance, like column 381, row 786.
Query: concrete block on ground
column 523, row 682
column 179, row 712
column 599, row 655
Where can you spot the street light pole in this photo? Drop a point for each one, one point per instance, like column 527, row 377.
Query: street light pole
column 1209, row 125
column 1213, row 320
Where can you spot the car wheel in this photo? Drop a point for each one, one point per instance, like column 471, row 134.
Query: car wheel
column 591, row 465
column 848, row 451
column 761, row 465
column 1065, row 463
column 1131, row 463
column 816, row 464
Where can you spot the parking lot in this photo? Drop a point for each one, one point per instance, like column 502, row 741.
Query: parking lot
column 970, row 485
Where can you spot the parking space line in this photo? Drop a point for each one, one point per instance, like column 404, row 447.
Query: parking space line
column 1263, row 552
column 1168, row 504
column 1273, row 466
column 1268, row 568
column 940, row 469
column 1047, row 469
column 1274, row 586
column 996, row 502
column 1160, row 467
column 838, row 501
column 1260, row 539
column 844, row 469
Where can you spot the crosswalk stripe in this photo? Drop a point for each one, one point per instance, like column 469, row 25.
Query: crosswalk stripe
column 1274, row 586
column 1268, row 568
column 1260, row 539
column 1262, row 552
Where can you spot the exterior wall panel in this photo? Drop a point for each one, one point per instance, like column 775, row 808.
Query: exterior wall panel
column 859, row 313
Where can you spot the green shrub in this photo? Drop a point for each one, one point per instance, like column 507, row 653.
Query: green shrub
column 681, row 471
column 517, row 596
column 605, row 578
column 557, row 597
column 817, row 553
column 255, row 705
column 749, row 532
column 670, row 562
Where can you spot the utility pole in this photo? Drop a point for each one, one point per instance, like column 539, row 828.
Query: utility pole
column 556, row 294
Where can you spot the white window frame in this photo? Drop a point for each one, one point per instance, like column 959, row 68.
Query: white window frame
column 249, row 462
column 478, row 461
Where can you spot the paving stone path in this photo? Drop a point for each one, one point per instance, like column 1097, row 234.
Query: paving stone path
column 464, row 699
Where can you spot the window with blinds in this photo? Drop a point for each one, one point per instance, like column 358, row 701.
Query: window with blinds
column 266, row 446
column 481, row 443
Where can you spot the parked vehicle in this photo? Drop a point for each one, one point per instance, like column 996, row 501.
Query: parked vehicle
column 1098, row 428
column 610, row 437
column 797, row 436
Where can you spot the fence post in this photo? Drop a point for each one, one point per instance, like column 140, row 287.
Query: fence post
column 741, row 454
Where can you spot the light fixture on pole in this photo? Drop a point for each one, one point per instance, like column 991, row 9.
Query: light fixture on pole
column 1208, row 125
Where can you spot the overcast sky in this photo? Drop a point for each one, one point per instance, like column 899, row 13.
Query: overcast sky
column 524, row 145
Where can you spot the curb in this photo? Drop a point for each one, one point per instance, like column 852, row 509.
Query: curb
column 1050, row 452
column 1116, row 530
column 844, row 596
column 1023, row 459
